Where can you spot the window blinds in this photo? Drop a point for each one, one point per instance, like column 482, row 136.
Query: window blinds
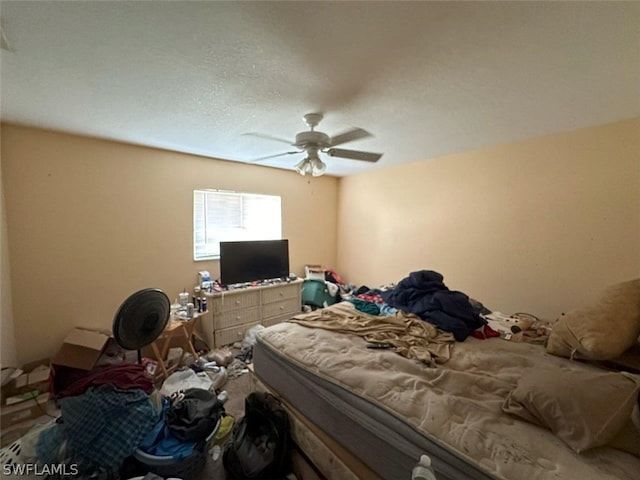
column 221, row 216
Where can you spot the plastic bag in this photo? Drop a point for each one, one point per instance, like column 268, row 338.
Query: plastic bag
column 218, row 378
column 222, row 356
column 250, row 336
column 184, row 379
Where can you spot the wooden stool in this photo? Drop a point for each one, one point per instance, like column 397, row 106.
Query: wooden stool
column 180, row 332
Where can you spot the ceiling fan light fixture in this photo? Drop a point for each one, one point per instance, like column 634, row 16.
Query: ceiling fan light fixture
column 311, row 165
column 318, row 167
column 304, row 167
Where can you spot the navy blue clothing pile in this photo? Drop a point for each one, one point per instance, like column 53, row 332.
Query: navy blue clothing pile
column 424, row 294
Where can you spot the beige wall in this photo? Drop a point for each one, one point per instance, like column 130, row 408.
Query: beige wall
column 8, row 356
column 91, row 221
column 536, row 226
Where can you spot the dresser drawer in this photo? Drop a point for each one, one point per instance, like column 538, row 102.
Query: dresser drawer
column 233, row 312
column 229, row 302
column 237, row 317
column 275, row 294
column 231, row 335
column 276, row 309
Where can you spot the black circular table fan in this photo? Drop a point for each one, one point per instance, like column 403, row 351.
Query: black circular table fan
column 141, row 319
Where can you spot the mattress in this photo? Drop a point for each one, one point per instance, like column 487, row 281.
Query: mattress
column 387, row 409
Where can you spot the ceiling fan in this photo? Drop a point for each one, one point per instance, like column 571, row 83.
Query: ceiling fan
column 313, row 143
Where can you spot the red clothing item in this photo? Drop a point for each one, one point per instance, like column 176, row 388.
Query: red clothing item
column 332, row 276
column 375, row 298
column 125, row 376
column 485, row 332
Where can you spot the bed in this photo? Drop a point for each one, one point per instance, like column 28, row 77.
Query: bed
column 459, row 404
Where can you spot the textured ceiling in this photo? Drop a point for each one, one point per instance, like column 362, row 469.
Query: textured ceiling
column 425, row 78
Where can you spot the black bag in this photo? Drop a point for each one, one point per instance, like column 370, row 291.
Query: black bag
column 194, row 417
column 261, row 445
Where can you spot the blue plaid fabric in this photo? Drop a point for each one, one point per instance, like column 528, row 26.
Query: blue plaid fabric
column 50, row 442
column 105, row 425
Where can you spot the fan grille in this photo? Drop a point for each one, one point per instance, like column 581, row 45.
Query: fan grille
column 141, row 318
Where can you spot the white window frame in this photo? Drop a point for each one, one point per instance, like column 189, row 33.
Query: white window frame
column 216, row 219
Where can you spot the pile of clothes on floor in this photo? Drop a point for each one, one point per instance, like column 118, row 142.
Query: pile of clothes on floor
column 114, row 419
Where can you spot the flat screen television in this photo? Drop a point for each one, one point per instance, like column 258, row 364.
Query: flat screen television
column 250, row 261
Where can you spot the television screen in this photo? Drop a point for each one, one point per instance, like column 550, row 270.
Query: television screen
column 250, row 261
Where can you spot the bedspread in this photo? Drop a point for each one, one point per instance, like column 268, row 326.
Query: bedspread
column 457, row 405
column 409, row 336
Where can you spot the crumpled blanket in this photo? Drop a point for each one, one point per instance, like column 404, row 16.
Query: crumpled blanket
column 407, row 334
column 424, row 294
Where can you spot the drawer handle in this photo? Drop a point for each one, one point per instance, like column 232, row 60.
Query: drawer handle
column 238, row 317
column 281, row 307
column 237, row 302
column 281, row 294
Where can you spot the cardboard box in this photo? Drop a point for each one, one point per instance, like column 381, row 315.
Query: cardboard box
column 13, row 433
column 29, row 409
column 81, row 348
column 79, row 353
column 34, row 381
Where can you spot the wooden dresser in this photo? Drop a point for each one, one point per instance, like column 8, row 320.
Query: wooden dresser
column 235, row 311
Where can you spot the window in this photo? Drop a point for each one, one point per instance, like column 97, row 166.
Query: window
column 220, row 216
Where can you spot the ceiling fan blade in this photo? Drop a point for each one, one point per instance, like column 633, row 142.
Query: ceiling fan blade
column 268, row 137
column 354, row 154
column 349, row 136
column 276, row 155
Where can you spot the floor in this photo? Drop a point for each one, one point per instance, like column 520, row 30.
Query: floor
column 237, row 389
